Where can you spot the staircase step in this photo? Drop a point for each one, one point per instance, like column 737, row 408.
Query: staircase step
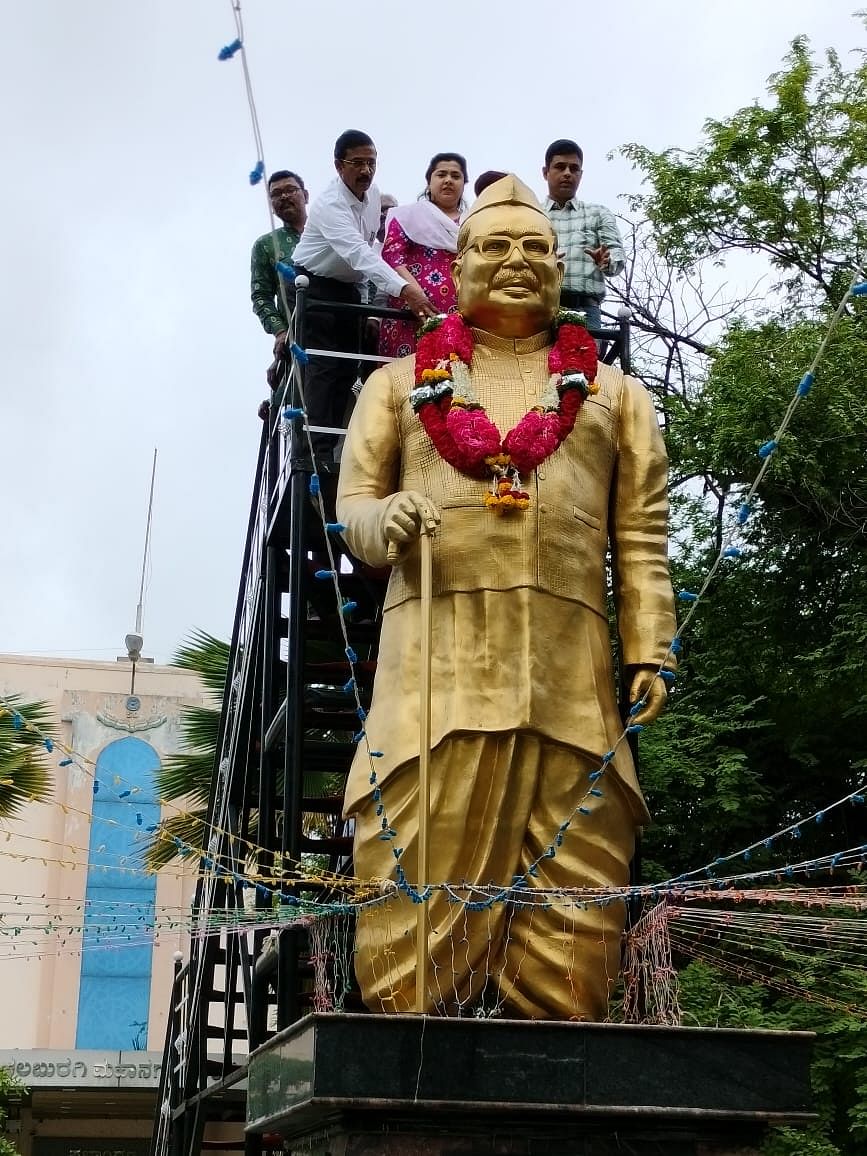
column 236, row 996
column 336, row 845
column 323, row 804
column 328, row 630
column 216, row 1032
column 319, row 719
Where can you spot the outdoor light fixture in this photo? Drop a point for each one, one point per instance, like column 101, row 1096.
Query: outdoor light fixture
column 133, row 644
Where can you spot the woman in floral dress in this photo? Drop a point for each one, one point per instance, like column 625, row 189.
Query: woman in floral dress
column 421, row 240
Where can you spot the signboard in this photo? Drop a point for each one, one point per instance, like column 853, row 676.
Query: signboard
column 59, row 1068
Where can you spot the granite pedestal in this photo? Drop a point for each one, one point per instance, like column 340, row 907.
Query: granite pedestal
column 347, row 1085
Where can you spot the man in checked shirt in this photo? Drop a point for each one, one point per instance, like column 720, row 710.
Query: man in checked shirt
column 588, row 238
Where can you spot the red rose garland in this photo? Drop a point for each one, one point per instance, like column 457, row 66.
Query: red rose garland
column 461, row 430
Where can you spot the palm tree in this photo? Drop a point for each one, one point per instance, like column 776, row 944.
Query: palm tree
column 187, row 775
column 24, row 743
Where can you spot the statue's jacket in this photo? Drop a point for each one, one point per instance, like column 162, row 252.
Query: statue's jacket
column 520, row 627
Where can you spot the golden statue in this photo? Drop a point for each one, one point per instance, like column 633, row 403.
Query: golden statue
column 523, row 704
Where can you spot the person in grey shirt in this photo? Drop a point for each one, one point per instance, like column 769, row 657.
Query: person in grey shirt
column 588, row 238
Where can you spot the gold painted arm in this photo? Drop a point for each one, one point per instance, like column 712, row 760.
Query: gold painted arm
column 639, row 532
column 370, row 470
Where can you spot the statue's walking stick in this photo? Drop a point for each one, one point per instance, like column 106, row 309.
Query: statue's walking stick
column 424, row 731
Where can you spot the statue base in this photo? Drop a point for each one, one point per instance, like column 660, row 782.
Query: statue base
column 372, row 1085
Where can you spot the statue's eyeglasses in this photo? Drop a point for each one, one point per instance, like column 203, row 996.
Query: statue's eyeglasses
column 500, row 248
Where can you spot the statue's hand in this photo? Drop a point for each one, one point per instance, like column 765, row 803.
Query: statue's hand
column 408, row 513
column 646, row 685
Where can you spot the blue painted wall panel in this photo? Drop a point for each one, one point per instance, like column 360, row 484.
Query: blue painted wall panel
column 110, row 1012
column 117, row 949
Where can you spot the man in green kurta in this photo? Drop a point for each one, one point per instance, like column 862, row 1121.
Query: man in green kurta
column 289, row 202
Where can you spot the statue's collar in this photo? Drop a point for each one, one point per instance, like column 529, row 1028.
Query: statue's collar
column 513, row 344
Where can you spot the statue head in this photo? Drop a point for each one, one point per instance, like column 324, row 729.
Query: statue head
column 506, row 271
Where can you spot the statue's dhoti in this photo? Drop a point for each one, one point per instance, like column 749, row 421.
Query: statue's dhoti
column 497, row 801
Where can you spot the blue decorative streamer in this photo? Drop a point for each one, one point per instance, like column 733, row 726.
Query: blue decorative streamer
column 229, row 50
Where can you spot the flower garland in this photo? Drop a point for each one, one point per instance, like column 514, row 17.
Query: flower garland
column 461, row 430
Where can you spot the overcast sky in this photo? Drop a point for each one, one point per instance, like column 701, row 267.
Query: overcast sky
column 126, row 220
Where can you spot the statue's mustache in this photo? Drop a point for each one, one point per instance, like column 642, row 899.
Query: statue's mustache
column 515, row 277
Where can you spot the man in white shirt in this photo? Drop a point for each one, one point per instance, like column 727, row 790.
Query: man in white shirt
column 335, row 252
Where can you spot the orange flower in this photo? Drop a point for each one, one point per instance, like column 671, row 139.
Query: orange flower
column 435, row 375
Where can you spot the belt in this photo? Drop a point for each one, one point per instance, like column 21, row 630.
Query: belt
column 572, row 298
column 331, row 287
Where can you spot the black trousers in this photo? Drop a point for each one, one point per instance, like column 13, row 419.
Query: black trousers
column 328, row 381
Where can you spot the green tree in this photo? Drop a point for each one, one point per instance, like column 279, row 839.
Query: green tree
column 24, row 773
column 772, row 691
column 785, row 178
column 11, row 1091
column 768, row 715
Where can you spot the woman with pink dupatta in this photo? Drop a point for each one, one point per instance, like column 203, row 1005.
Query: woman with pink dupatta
column 421, row 240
